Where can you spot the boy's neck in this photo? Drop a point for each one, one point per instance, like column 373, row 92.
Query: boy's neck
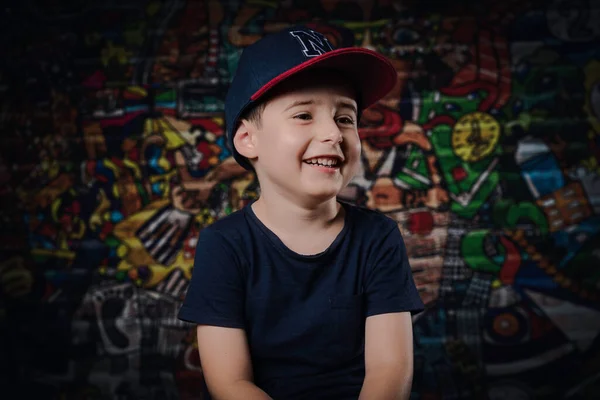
column 285, row 215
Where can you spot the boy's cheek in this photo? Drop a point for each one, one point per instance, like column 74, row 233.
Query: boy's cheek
column 353, row 151
column 352, row 165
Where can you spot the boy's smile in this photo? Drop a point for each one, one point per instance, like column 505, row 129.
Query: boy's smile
column 328, row 163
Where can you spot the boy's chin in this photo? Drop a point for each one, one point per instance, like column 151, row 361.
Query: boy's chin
column 323, row 194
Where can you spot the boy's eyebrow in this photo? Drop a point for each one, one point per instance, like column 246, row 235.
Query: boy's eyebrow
column 300, row 103
column 347, row 104
column 339, row 104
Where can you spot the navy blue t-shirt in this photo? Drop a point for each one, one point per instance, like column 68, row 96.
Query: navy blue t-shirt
column 304, row 316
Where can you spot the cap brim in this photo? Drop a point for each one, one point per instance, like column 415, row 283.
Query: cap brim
column 372, row 73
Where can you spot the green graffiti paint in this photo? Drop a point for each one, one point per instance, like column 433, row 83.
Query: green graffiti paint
column 469, row 183
column 506, row 261
column 434, row 104
column 507, row 213
column 472, row 248
column 415, row 174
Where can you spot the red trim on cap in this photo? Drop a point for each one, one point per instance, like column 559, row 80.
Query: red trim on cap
column 388, row 81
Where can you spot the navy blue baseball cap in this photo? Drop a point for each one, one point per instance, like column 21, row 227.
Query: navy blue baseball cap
column 278, row 56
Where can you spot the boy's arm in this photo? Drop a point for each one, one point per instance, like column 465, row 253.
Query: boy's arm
column 215, row 303
column 388, row 357
column 226, row 365
column 392, row 298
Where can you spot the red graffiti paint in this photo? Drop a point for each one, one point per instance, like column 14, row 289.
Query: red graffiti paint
column 459, row 173
column 420, row 223
column 439, row 120
column 134, row 154
column 95, row 81
column 379, row 125
column 489, row 69
column 512, row 261
column 120, row 121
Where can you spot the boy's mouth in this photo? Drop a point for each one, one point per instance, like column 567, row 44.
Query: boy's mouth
column 324, row 161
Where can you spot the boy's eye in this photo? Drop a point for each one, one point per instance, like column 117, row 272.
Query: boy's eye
column 303, row 116
column 346, row 120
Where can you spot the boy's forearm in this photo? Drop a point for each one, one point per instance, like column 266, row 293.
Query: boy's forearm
column 386, row 384
column 242, row 390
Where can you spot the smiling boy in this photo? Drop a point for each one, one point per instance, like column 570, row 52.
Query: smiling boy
column 298, row 295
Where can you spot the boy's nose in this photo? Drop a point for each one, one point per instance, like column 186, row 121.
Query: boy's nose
column 331, row 133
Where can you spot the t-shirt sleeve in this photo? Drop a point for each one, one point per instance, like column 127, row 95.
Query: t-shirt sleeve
column 389, row 285
column 215, row 295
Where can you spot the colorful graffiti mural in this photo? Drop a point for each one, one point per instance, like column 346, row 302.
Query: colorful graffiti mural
column 113, row 159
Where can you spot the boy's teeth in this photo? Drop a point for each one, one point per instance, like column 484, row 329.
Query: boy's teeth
column 322, row 161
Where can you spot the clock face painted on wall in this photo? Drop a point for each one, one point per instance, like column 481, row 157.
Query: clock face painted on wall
column 475, row 136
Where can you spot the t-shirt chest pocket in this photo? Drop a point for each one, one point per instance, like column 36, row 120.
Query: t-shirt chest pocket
column 347, row 322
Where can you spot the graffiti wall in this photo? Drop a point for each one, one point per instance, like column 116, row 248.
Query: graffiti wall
column 113, row 159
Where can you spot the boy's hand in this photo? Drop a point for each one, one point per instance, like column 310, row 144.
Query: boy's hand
column 225, row 360
column 388, row 357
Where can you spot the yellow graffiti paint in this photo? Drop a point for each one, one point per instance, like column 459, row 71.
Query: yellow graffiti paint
column 172, row 135
column 135, row 253
column 114, row 52
column 475, row 136
column 138, row 90
column 64, row 254
column 137, row 172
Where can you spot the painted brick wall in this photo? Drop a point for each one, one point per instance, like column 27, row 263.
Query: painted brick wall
column 113, row 160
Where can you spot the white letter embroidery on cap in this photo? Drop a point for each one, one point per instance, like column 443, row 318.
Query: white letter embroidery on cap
column 313, row 43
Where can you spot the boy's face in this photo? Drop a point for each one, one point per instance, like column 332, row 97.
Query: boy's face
column 307, row 143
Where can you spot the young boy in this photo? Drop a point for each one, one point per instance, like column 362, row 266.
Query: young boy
column 299, row 296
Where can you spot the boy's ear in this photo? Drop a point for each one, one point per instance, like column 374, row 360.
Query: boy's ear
column 244, row 139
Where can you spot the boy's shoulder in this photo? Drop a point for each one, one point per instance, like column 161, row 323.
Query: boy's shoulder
column 231, row 227
column 369, row 218
column 230, row 221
